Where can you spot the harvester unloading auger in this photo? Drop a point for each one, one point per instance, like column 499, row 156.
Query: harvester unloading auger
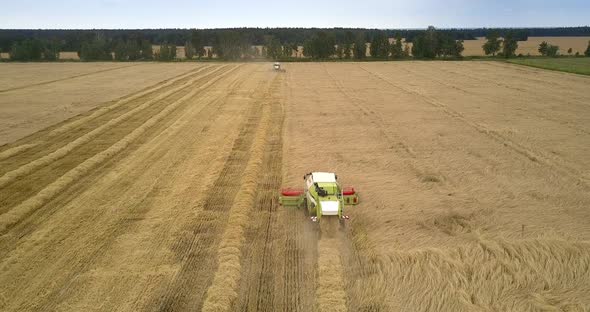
column 321, row 196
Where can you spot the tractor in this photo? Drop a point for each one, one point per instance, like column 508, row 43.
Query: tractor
column 321, row 196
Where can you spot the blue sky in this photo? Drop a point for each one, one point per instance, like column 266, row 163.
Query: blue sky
column 294, row 13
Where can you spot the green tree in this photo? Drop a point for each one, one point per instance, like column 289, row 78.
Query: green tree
column 407, row 50
column 510, row 45
column 447, row 46
column 543, row 47
column 493, row 44
column 133, row 50
column 552, row 50
column 339, row 51
column 273, row 47
column 308, row 49
column 231, row 46
column 294, row 48
column 51, row 50
column 167, row 52
column 347, row 50
column 320, row 46
column 128, row 50
column 347, row 45
column 379, row 45
column 27, row 50
column 426, row 45
column 360, row 46
column 587, row 52
column 397, row 50
column 172, row 51
column 147, row 52
column 287, row 51
column 197, row 43
column 254, row 52
column 95, row 50
column 569, row 51
column 263, row 52
column 458, row 48
column 120, row 50
column 189, row 50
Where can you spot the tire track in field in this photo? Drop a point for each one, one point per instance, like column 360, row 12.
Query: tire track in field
column 66, row 78
column 197, row 247
column 279, row 260
column 405, row 151
column 363, row 283
column 560, row 161
column 256, row 290
column 297, row 258
column 330, row 290
column 366, row 287
column 15, row 215
column 10, row 176
column 43, row 138
column 531, row 154
column 297, row 291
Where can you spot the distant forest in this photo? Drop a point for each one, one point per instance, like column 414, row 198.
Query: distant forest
column 72, row 40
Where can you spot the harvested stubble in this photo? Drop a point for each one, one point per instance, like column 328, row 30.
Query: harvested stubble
column 61, row 152
column 19, row 212
column 223, row 291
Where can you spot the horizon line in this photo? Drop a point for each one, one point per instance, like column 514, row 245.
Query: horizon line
column 301, row 27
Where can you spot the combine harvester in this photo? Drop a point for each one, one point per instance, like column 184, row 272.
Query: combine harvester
column 278, row 68
column 322, row 196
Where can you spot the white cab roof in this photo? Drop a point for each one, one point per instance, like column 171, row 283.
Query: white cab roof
column 329, row 208
column 323, row 177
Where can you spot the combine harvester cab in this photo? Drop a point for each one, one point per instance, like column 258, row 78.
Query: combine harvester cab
column 278, row 68
column 322, row 196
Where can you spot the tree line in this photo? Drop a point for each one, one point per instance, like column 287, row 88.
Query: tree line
column 72, row 40
column 35, row 50
column 237, row 44
column 505, row 47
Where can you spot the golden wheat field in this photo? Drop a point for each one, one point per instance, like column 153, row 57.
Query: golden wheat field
column 160, row 192
column 531, row 46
